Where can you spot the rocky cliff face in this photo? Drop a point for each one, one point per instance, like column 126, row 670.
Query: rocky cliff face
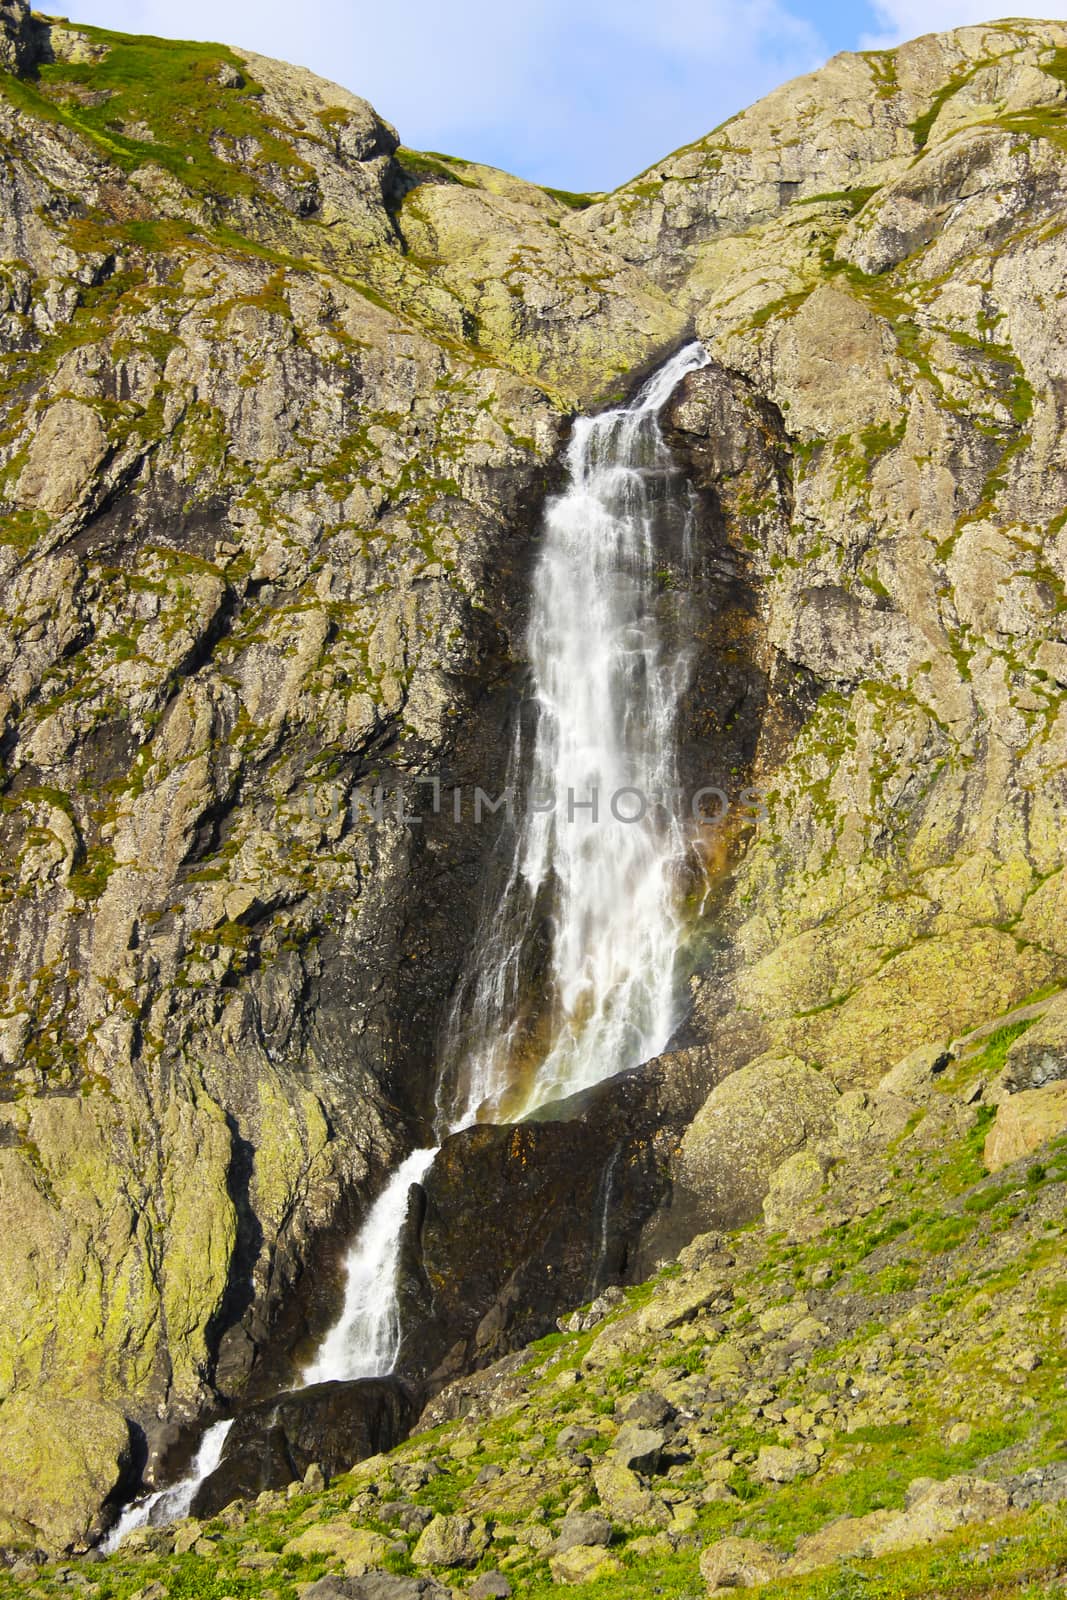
column 281, row 402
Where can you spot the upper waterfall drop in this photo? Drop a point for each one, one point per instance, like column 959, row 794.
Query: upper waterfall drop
column 606, row 683
column 599, row 848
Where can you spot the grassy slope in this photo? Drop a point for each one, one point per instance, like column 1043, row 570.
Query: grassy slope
column 944, row 1250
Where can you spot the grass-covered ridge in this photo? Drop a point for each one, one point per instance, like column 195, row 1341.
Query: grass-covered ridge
column 163, row 100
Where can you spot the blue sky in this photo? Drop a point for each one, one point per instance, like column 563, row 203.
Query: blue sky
column 581, row 94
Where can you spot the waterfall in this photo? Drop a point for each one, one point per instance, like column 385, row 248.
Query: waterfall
column 600, row 849
column 170, row 1505
column 606, row 683
column 598, row 853
column 365, row 1342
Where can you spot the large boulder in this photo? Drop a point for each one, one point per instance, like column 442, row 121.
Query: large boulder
column 451, row 1542
column 936, row 1508
column 745, row 1129
column 333, row 1424
column 359, row 1550
column 738, row 1564
column 60, row 1459
column 1024, row 1123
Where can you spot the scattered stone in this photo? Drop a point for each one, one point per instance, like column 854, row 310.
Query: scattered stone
column 583, row 1563
column 738, row 1564
column 778, row 1318
column 1039, row 1486
column 777, row 1463
column 583, row 1527
column 358, row 1549
column 572, row 1438
column 451, row 1541
column 490, row 1586
column 402, row 1514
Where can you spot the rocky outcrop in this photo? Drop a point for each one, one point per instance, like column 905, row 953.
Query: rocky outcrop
column 745, row 1129
column 513, row 1224
column 1024, row 1123
column 328, row 1426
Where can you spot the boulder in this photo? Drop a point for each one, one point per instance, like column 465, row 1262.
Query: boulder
column 60, row 1459
column 937, row 1508
column 67, row 448
column 638, row 1448
column 777, row 1463
column 358, row 1549
column 842, row 1540
column 650, row 1410
column 583, row 1563
column 914, row 1076
column 331, row 1425
column 738, row 1564
column 583, row 1528
column 745, row 1129
column 1025, row 1122
column 450, row 1541
column 793, row 1189
column 625, row 1499
column 490, row 1586
column 376, row 1586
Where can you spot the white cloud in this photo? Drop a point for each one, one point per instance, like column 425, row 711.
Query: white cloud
column 906, row 19
column 580, row 93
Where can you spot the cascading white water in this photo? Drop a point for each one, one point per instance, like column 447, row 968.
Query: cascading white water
column 365, row 1342
column 170, row 1505
column 606, row 686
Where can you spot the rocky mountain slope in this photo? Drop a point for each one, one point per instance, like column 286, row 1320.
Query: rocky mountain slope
column 281, row 404
column 864, row 1394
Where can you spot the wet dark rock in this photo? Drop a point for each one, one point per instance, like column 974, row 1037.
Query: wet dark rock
column 514, row 1224
column 333, row 1425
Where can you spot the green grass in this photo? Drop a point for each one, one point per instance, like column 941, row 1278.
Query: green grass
column 172, row 87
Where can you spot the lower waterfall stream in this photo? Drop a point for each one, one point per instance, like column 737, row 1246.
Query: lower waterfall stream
column 598, row 851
